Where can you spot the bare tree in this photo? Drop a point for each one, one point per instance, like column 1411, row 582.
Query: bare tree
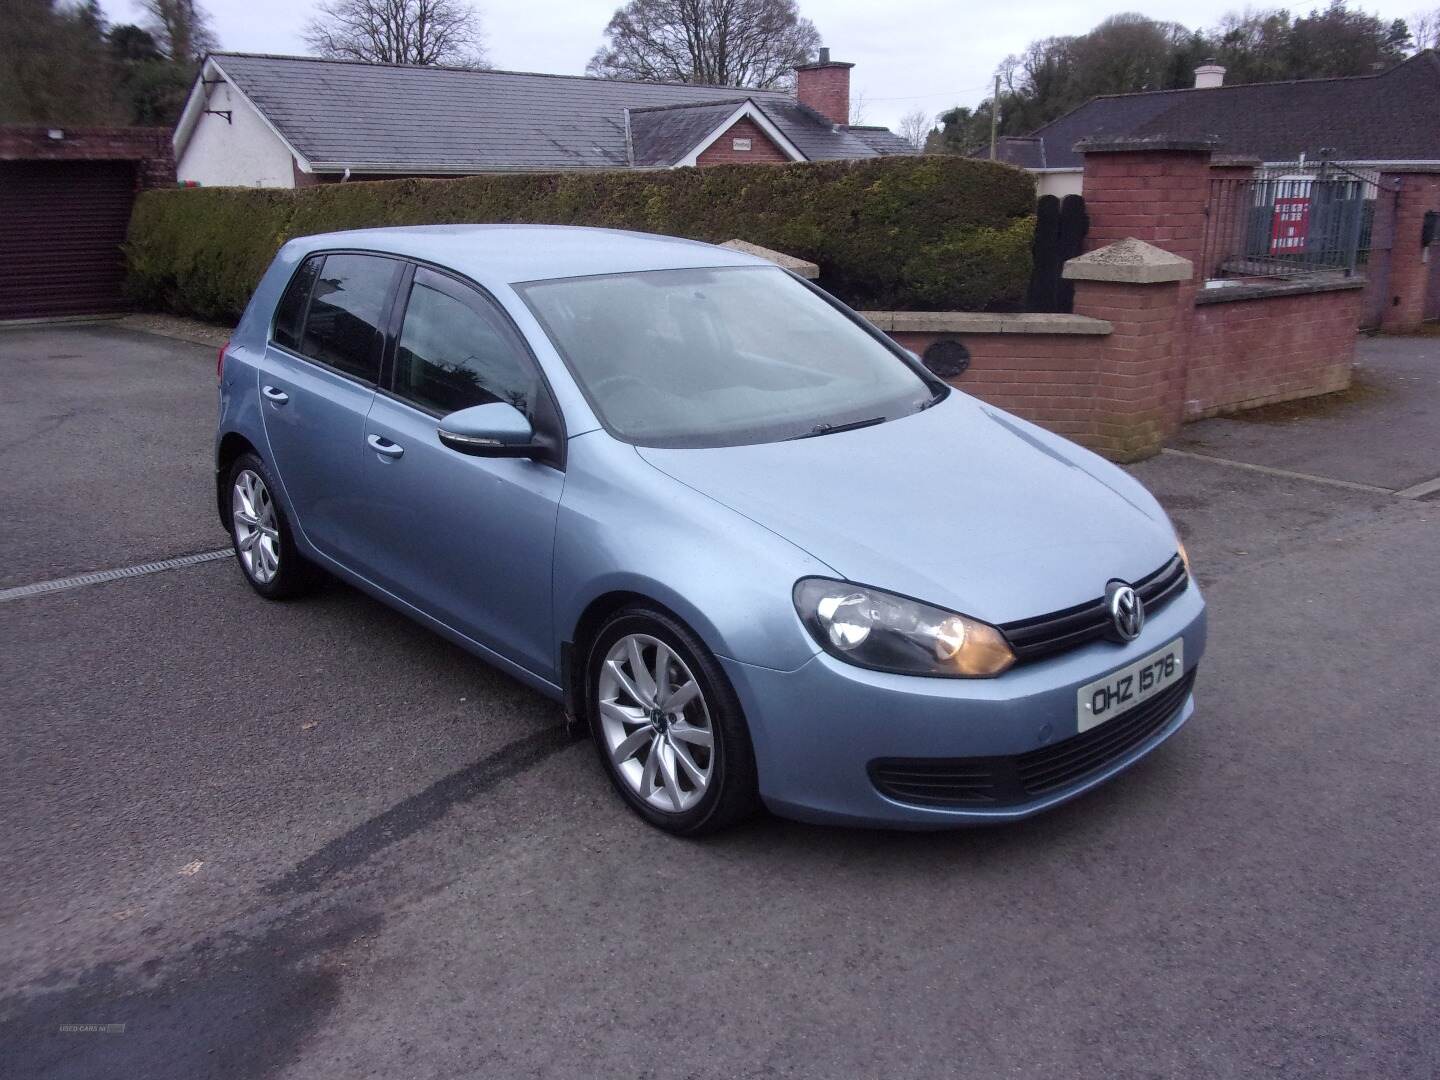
column 1425, row 30
column 915, row 127
column 754, row 43
column 181, row 27
column 420, row 32
column 859, row 108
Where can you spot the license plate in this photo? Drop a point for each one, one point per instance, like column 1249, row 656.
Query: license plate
column 1120, row 691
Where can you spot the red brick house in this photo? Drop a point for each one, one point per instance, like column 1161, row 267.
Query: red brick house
column 277, row 121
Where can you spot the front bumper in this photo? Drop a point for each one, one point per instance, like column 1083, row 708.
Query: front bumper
column 818, row 728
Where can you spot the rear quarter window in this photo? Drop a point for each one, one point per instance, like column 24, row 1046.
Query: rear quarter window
column 290, row 315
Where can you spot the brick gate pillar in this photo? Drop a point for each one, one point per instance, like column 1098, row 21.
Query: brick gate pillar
column 1412, row 268
column 1154, row 190
column 1147, row 200
column 1138, row 391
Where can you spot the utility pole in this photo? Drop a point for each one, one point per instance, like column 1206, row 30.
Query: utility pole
column 995, row 117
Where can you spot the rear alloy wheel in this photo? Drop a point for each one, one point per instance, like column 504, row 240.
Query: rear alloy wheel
column 257, row 532
column 261, row 534
column 668, row 727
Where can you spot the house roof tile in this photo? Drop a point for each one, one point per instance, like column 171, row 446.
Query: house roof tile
column 812, row 134
column 382, row 117
column 1392, row 116
column 881, row 140
column 663, row 135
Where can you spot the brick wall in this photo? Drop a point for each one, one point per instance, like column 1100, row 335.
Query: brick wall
column 1044, row 377
column 1222, row 350
column 762, row 150
column 149, row 147
column 1248, row 352
column 1127, row 372
column 1147, row 348
column 1403, row 305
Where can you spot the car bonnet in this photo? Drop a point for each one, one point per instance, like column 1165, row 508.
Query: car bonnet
column 959, row 505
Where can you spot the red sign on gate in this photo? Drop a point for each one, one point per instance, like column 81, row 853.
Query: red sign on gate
column 1291, row 226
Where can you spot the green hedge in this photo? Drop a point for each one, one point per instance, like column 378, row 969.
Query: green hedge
column 920, row 233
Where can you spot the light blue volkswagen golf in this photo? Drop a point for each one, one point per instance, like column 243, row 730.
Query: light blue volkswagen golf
column 759, row 550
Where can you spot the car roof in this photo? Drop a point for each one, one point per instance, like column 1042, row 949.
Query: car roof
column 492, row 254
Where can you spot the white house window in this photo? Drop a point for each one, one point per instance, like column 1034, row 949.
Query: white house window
column 740, row 144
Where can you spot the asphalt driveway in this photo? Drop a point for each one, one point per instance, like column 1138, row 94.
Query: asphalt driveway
column 1384, row 432
column 105, row 433
column 314, row 840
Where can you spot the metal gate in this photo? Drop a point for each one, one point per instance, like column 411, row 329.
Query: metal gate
column 1290, row 221
column 61, row 227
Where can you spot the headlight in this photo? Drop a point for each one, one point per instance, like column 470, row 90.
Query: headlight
column 876, row 629
column 1184, row 555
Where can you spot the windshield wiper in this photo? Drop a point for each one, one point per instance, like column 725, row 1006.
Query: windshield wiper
column 831, row 429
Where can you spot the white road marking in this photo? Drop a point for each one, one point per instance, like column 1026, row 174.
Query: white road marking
column 39, row 588
column 1419, row 491
column 1286, row 473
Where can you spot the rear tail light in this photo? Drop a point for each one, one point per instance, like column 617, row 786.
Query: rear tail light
column 220, row 362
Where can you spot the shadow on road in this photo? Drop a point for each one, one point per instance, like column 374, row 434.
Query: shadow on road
column 420, row 810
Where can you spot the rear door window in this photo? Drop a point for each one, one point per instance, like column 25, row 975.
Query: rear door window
column 347, row 304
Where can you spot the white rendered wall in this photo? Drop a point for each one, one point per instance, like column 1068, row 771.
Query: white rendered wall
column 1058, row 184
column 242, row 153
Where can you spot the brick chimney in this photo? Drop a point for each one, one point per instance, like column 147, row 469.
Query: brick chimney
column 1209, row 75
column 825, row 87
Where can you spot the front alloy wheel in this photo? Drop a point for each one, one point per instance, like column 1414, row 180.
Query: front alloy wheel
column 667, row 724
column 655, row 723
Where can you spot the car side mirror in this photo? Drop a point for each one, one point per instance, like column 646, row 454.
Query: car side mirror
column 495, row 429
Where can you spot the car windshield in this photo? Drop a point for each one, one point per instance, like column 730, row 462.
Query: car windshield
column 720, row 356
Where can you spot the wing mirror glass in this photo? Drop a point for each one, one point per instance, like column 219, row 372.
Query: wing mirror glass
column 496, row 429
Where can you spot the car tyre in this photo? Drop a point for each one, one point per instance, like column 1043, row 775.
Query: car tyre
column 261, row 535
column 667, row 725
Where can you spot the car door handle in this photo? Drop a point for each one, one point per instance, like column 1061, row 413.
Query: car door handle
column 275, row 394
column 382, row 445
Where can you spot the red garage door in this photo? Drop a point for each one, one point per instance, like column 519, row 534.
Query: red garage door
column 61, row 226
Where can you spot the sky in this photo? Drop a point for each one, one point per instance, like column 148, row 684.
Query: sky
column 927, row 54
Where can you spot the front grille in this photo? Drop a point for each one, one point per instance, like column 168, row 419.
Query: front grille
column 1008, row 781
column 1045, row 635
column 1051, row 767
